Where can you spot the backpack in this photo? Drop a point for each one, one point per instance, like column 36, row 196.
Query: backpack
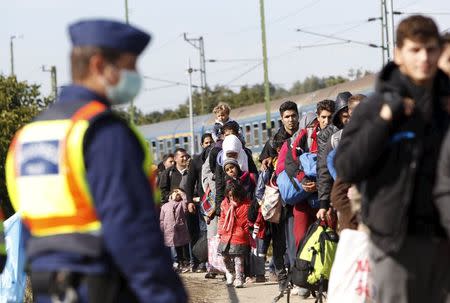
column 270, row 203
column 290, row 187
column 315, row 256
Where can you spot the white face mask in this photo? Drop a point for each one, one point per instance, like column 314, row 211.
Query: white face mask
column 126, row 89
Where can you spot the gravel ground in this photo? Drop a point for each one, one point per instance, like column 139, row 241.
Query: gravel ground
column 203, row 290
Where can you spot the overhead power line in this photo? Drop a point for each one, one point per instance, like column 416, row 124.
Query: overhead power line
column 168, row 81
column 422, row 13
column 322, row 44
column 233, row 60
column 244, row 73
column 160, row 87
column 295, row 13
column 341, row 39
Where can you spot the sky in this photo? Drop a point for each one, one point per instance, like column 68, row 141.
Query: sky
column 231, row 32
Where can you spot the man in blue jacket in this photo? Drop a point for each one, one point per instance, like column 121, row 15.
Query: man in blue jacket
column 79, row 176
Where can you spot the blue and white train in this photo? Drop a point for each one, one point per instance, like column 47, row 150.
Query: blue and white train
column 165, row 137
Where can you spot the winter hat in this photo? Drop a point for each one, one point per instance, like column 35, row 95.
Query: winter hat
column 230, row 161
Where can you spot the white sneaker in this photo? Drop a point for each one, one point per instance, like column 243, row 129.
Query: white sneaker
column 295, row 290
column 230, row 278
column 303, row 292
column 238, row 283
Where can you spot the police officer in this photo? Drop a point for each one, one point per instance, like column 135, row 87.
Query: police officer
column 78, row 176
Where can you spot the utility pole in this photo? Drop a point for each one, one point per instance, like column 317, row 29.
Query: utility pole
column 266, row 73
column 11, row 48
column 383, row 42
column 390, row 26
column 126, row 11
column 52, row 71
column 201, row 48
column 131, row 107
column 191, row 111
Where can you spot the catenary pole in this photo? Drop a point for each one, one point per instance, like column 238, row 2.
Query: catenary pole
column 201, row 48
column 191, row 112
column 266, row 73
column 383, row 42
column 131, row 107
column 390, row 17
column 53, row 78
column 11, row 49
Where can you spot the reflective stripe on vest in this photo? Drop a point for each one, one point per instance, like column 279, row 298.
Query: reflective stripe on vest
column 46, row 176
column 2, row 235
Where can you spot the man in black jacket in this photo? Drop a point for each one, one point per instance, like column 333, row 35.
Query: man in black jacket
column 289, row 119
column 171, row 177
column 193, row 186
column 324, row 180
column 390, row 148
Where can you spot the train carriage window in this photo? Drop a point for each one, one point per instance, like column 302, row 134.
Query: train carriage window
column 177, row 142
column 272, row 123
column 153, row 150
column 255, row 134
column 161, row 149
column 197, row 140
column 280, row 124
column 169, row 145
column 186, row 145
column 264, row 132
column 248, row 135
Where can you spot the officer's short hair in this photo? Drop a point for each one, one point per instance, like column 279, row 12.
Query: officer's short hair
column 80, row 57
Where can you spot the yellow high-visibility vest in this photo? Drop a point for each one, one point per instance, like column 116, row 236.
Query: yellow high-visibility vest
column 46, row 174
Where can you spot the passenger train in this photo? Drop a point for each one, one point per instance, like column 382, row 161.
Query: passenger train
column 165, row 137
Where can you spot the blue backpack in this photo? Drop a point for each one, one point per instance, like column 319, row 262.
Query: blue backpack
column 290, row 188
column 330, row 163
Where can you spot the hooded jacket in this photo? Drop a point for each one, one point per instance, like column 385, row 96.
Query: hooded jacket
column 394, row 162
column 238, row 233
column 324, row 178
column 341, row 104
column 172, row 219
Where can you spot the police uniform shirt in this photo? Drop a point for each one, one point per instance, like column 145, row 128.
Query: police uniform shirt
column 125, row 206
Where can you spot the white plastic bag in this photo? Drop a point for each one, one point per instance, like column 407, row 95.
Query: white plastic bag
column 13, row 279
column 350, row 279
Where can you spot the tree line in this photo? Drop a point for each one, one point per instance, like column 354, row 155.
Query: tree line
column 246, row 95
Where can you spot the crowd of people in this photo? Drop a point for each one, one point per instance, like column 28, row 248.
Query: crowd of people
column 381, row 149
column 79, row 177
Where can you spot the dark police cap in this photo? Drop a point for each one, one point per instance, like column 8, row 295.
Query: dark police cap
column 109, row 34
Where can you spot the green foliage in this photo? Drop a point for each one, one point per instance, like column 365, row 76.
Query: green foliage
column 246, row 95
column 19, row 103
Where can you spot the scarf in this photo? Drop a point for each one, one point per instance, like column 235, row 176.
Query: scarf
column 230, row 216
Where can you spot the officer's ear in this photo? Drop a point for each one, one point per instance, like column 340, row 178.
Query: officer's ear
column 97, row 65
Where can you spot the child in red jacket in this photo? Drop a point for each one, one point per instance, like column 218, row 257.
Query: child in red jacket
column 233, row 230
